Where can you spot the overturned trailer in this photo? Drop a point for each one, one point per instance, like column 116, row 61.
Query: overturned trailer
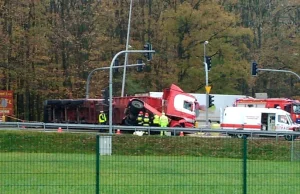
column 86, row 111
column 180, row 107
column 72, row 110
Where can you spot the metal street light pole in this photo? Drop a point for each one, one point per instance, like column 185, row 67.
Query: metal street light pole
column 278, row 70
column 206, row 84
column 110, row 80
column 126, row 54
column 103, row 68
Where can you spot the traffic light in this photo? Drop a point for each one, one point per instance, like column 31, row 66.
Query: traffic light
column 148, row 47
column 116, row 63
column 208, row 62
column 140, row 67
column 210, row 101
column 105, row 95
column 254, row 69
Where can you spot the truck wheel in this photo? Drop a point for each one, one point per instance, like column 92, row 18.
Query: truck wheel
column 241, row 136
column 132, row 117
column 129, row 122
column 136, row 106
column 232, row 135
column 290, row 137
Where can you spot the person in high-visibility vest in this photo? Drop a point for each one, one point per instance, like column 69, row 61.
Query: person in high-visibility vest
column 156, row 121
column 146, row 120
column 164, row 121
column 102, row 118
column 140, row 118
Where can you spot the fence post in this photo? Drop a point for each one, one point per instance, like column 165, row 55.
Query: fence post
column 97, row 165
column 292, row 150
column 245, row 165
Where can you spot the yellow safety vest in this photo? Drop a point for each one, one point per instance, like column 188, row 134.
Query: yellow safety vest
column 140, row 118
column 164, row 120
column 146, row 121
column 102, row 118
column 156, row 119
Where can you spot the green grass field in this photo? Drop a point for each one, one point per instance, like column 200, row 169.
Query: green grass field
column 75, row 173
column 35, row 162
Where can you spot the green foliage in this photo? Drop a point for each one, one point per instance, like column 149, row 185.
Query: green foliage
column 47, row 48
column 134, row 87
column 186, row 29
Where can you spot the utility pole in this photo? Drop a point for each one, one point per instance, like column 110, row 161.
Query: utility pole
column 126, row 54
column 206, row 84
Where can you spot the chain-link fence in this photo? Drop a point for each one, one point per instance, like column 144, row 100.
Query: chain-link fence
column 81, row 163
column 47, row 163
column 218, row 165
column 271, row 166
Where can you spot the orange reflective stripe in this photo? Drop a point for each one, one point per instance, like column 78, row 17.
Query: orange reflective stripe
column 245, row 126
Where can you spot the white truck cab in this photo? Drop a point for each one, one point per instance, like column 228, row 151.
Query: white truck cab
column 264, row 119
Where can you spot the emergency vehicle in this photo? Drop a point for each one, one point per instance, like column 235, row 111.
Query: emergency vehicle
column 291, row 106
column 260, row 119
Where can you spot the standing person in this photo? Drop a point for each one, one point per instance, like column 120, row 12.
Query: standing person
column 140, row 118
column 164, row 121
column 102, row 118
column 146, row 120
column 156, row 121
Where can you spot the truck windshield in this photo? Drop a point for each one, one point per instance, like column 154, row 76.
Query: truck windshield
column 296, row 108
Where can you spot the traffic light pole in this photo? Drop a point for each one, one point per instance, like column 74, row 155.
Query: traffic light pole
column 111, row 76
column 206, row 84
column 277, row 70
column 103, row 68
column 206, row 96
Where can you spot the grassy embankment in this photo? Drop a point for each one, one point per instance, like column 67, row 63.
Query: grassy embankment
column 39, row 142
column 34, row 162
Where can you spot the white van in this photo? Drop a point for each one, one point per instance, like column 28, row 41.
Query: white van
column 263, row 119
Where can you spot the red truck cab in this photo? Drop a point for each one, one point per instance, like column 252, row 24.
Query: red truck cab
column 180, row 107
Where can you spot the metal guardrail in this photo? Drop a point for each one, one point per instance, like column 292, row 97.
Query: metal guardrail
column 175, row 130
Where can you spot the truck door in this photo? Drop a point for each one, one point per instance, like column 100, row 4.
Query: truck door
column 264, row 121
column 268, row 121
column 271, row 122
column 282, row 123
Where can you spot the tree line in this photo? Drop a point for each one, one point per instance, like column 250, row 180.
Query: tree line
column 48, row 47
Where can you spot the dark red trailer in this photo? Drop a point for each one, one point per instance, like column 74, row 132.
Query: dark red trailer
column 181, row 108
